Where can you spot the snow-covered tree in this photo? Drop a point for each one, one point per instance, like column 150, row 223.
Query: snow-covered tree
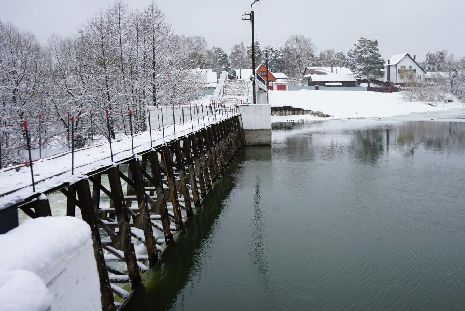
column 238, row 57
column 119, row 62
column 332, row 58
column 436, row 61
column 365, row 59
column 275, row 59
column 220, row 60
column 259, row 55
column 23, row 65
column 298, row 53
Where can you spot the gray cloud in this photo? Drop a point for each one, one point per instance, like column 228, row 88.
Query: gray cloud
column 413, row 26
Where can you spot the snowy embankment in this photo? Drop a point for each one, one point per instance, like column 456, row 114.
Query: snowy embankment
column 355, row 104
column 43, row 261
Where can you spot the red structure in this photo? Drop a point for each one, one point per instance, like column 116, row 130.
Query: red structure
column 276, row 81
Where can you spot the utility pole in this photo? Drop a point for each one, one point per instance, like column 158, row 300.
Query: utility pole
column 251, row 17
column 267, row 78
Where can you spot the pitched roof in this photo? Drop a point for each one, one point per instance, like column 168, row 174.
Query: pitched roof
column 326, row 74
column 395, row 59
column 279, row 75
column 327, row 69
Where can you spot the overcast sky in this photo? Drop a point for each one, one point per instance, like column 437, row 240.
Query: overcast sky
column 413, row 26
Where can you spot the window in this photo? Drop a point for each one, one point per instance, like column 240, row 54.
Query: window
column 410, row 67
column 402, row 67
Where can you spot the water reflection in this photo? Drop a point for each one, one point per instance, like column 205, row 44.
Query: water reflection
column 181, row 263
column 257, row 226
column 369, row 145
column 370, row 142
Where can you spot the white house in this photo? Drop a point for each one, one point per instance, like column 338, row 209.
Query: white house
column 329, row 76
column 403, row 68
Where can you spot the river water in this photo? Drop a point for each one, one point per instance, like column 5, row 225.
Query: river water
column 337, row 215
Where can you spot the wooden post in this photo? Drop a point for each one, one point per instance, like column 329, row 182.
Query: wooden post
column 190, row 170
column 204, row 157
column 173, row 195
column 42, row 207
column 183, row 182
column 198, row 168
column 161, row 199
column 88, row 214
column 146, row 224
column 123, row 239
column 71, row 201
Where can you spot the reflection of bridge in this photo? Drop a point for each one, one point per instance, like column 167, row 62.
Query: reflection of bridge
column 139, row 198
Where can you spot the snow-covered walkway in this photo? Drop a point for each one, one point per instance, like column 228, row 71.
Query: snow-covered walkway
column 54, row 171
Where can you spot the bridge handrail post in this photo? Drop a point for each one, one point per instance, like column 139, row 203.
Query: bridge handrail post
column 150, row 127
column 131, row 130
column 28, row 143
column 107, row 117
column 72, row 145
column 162, row 124
column 174, row 122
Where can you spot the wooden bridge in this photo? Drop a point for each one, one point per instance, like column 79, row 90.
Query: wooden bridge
column 140, row 200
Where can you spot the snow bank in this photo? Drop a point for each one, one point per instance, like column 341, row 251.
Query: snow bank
column 23, row 291
column 356, row 104
column 41, row 242
column 58, row 251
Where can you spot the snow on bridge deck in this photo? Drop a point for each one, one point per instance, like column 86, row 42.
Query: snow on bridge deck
column 53, row 172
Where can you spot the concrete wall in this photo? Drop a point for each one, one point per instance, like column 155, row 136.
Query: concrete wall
column 262, row 98
column 256, row 121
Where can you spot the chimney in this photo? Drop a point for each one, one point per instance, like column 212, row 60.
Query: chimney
column 414, row 57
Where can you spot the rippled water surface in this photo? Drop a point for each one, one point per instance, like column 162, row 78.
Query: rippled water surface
column 339, row 215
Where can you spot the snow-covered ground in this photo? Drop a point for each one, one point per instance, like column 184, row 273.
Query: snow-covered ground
column 356, row 104
column 43, row 261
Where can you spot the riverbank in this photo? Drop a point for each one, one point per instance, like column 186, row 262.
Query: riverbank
column 356, row 104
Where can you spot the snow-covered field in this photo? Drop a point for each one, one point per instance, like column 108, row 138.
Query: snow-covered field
column 356, row 104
